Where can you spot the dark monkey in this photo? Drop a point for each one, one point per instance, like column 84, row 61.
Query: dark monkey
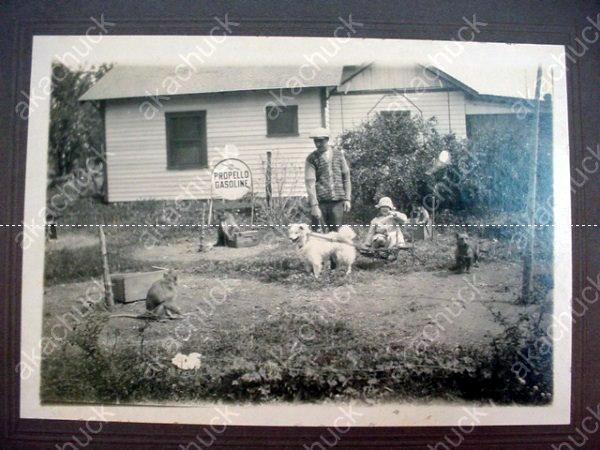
column 466, row 254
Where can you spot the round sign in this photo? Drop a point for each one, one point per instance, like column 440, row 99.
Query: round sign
column 231, row 179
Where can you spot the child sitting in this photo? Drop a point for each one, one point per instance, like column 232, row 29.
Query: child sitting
column 384, row 231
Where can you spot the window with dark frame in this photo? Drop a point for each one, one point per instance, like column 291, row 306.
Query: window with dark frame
column 395, row 114
column 186, row 140
column 282, row 120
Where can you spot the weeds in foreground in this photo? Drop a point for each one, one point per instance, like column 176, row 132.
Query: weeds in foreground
column 295, row 357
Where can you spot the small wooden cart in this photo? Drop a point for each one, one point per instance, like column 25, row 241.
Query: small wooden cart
column 390, row 254
column 247, row 238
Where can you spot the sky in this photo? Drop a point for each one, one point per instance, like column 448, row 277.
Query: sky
column 490, row 68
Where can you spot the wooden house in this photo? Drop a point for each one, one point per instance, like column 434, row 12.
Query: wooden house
column 165, row 127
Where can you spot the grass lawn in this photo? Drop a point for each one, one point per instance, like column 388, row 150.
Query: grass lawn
column 267, row 331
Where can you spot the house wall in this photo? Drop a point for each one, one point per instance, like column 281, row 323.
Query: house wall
column 448, row 107
column 236, row 127
column 478, row 107
column 390, row 77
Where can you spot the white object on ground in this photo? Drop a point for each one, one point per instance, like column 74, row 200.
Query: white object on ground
column 187, row 362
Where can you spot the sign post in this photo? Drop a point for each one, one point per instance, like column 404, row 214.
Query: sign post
column 232, row 180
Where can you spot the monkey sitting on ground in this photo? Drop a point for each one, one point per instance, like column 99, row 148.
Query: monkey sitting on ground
column 466, row 253
column 160, row 300
column 227, row 231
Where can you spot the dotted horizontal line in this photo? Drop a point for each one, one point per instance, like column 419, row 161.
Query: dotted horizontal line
column 134, row 225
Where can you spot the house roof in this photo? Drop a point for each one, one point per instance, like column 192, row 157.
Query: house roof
column 477, row 88
column 144, row 81
column 489, row 83
column 452, row 80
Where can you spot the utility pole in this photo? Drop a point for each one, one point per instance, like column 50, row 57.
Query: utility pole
column 529, row 257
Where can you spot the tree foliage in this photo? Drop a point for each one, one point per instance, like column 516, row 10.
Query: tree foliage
column 396, row 155
column 76, row 128
column 500, row 157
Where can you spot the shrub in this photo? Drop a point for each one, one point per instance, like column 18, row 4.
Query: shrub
column 391, row 156
column 283, row 180
column 499, row 158
column 394, row 156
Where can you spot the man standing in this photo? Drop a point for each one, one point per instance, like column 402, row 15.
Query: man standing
column 327, row 177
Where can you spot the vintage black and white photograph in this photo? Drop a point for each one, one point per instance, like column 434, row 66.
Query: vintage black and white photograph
column 297, row 223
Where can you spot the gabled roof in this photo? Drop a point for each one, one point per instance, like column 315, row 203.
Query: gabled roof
column 490, row 92
column 487, row 83
column 144, row 81
column 350, row 72
column 450, row 79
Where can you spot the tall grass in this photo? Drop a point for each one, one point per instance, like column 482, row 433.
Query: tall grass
column 269, row 362
column 81, row 264
column 88, row 210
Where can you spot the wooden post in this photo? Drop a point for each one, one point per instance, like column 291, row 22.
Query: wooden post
column 108, row 293
column 433, row 212
column 252, row 208
column 433, row 220
column 201, row 248
column 268, row 179
column 529, row 259
column 210, row 210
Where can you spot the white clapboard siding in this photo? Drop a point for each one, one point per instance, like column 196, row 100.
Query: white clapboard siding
column 479, row 107
column 392, row 77
column 236, row 127
column 448, row 107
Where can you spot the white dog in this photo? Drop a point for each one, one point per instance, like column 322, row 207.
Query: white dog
column 318, row 247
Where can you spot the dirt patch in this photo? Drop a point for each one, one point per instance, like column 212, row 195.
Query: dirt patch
column 72, row 240
column 391, row 334
column 407, row 308
column 401, row 301
column 187, row 251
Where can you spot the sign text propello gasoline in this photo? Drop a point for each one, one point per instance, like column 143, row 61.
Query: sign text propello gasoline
column 232, row 179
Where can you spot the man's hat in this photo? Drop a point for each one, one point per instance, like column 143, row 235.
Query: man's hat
column 319, row 133
column 385, row 201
